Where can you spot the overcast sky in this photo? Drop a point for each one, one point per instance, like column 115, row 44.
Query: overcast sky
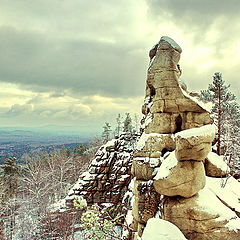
column 81, row 62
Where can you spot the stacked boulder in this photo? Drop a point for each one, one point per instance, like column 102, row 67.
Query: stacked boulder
column 174, row 155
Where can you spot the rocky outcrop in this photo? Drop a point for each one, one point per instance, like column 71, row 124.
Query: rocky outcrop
column 109, row 174
column 169, row 165
column 174, row 155
column 202, row 217
column 185, row 179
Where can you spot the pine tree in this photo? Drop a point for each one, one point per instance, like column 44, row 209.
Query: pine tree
column 127, row 124
column 226, row 114
column 118, row 128
column 106, row 131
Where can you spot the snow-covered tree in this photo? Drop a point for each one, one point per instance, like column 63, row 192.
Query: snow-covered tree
column 226, row 115
column 127, row 123
column 11, row 171
column 106, row 131
column 118, row 128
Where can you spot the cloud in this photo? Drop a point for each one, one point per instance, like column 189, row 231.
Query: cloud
column 200, row 13
column 45, row 108
column 18, row 109
column 83, row 67
column 89, row 47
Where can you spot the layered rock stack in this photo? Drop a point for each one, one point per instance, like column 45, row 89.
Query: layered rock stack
column 174, row 154
column 107, row 178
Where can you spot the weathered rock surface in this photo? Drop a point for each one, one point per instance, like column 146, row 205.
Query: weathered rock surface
column 184, row 178
column 194, row 144
column 108, row 175
column 154, row 142
column 143, row 167
column 202, row 217
column 215, row 166
column 146, row 201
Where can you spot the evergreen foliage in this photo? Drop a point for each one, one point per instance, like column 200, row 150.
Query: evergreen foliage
column 226, row 115
column 106, row 132
column 127, row 124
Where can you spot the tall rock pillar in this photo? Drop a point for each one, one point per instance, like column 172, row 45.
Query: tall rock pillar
column 176, row 140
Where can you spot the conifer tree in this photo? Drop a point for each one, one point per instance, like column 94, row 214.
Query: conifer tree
column 226, row 114
column 118, row 128
column 106, row 131
column 127, row 124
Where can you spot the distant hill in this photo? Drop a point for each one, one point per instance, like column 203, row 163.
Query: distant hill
column 15, row 142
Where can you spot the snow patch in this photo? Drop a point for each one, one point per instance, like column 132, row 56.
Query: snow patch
column 208, row 202
column 58, row 206
column 159, row 229
column 131, row 185
column 227, row 189
column 217, row 161
column 171, row 42
column 147, row 100
column 206, row 106
column 129, row 217
column 144, row 137
column 234, row 224
column 206, row 130
column 167, row 164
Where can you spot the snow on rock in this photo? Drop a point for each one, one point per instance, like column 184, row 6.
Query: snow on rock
column 153, row 162
column 159, row 229
column 129, row 217
column 108, row 175
column 212, row 200
column 171, row 42
column 215, row 200
column 217, row 161
column 207, row 130
column 145, row 136
column 167, row 164
column 206, row 106
column 208, row 202
column 227, row 190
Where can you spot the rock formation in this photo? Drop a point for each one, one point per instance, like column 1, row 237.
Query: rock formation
column 108, row 176
column 104, row 183
column 176, row 176
column 174, row 156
